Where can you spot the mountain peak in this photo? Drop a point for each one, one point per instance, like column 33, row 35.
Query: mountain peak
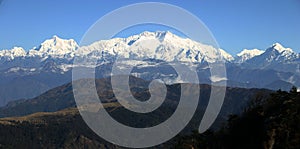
column 14, row 52
column 18, row 51
column 161, row 35
column 247, row 54
column 55, row 38
column 278, row 47
column 275, row 54
column 57, row 46
column 251, row 52
column 226, row 55
column 162, row 45
column 147, row 33
column 157, row 33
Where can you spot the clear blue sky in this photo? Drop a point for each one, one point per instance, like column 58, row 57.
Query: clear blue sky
column 236, row 24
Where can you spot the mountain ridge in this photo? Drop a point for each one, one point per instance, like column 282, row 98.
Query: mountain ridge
column 57, row 46
column 50, row 64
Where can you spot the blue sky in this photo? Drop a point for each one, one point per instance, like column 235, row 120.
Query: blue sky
column 236, row 24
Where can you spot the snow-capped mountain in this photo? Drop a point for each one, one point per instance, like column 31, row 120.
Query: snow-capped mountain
column 159, row 45
column 11, row 54
column 226, row 56
column 54, row 51
column 164, row 46
column 49, row 65
column 247, row 54
column 278, row 53
column 55, row 47
column 275, row 57
column 153, row 45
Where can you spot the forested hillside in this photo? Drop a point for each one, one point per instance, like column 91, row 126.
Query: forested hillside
column 271, row 123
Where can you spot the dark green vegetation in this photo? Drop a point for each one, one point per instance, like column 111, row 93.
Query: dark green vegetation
column 272, row 123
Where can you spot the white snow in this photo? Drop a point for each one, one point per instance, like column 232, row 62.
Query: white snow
column 56, row 47
column 217, row 79
column 226, row 55
column 278, row 53
column 13, row 53
column 248, row 54
column 157, row 45
column 280, row 48
column 17, row 69
column 162, row 45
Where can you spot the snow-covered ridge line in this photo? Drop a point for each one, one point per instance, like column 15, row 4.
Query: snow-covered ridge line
column 247, row 54
column 182, row 49
column 168, row 47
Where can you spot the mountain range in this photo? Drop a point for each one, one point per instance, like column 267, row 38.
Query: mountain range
column 53, row 115
column 28, row 73
column 178, row 48
column 54, row 109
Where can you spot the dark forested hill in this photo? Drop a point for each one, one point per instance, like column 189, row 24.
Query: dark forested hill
column 62, row 97
column 54, row 115
column 63, row 129
column 272, row 123
column 267, row 122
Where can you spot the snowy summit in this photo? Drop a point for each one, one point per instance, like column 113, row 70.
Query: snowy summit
column 161, row 45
